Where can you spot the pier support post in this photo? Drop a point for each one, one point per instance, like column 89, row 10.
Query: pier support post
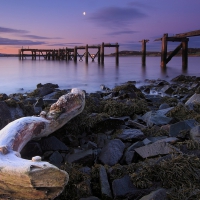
column 117, row 53
column 102, row 52
column 99, row 54
column 20, row 56
column 144, row 52
column 75, row 54
column 86, row 53
column 66, row 54
column 164, row 50
column 185, row 53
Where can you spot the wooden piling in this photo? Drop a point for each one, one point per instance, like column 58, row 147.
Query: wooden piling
column 144, row 51
column 117, row 53
column 164, row 50
column 99, row 54
column 86, row 53
column 75, row 54
column 185, row 53
column 102, row 52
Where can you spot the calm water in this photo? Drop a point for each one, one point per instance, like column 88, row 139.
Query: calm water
column 26, row 74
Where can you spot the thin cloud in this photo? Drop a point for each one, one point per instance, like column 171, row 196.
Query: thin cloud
column 66, row 44
column 39, row 37
column 122, row 33
column 116, row 17
column 7, row 41
column 10, row 30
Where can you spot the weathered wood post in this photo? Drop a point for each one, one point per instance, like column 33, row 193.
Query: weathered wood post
column 86, row 53
column 99, row 54
column 75, row 54
column 102, row 52
column 144, row 51
column 117, row 53
column 20, row 55
column 185, row 53
column 66, row 54
column 164, row 50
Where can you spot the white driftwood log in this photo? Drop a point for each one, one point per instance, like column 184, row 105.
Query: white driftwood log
column 35, row 179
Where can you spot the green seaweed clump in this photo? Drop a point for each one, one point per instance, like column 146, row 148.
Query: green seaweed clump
column 171, row 101
column 35, row 93
column 11, row 103
column 58, row 94
column 128, row 108
column 180, row 174
column 77, row 185
column 180, row 112
column 154, row 131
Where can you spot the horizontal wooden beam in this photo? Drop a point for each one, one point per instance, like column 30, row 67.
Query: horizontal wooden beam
column 158, row 39
column 175, row 39
column 189, row 34
column 144, row 40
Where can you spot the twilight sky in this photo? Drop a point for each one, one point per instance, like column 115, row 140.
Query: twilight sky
column 55, row 24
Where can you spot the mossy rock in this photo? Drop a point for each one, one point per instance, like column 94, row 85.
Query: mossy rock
column 59, row 94
column 171, row 101
column 35, row 93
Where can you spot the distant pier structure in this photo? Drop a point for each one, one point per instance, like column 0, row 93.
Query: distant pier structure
column 70, row 53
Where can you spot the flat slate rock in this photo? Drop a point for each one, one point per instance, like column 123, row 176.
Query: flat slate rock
column 157, row 117
column 86, row 157
column 155, row 149
column 112, row 152
column 130, row 134
column 52, row 144
column 56, row 159
column 105, row 186
column 195, row 133
column 175, row 129
column 160, row 194
column 195, row 98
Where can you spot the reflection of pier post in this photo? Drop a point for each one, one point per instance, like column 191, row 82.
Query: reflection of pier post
column 164, row 50
column 144, row 51
column 86, row 53
column 99, row 55
column 20, row 54
column 75, row 54
column 102, row 52
column 185, row 53
column 117, row 53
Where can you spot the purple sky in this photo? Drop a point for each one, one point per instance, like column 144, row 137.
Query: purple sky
column 60, row 23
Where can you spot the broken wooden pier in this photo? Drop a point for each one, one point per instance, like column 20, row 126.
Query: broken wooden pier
column 183, row 39
column 70, row 53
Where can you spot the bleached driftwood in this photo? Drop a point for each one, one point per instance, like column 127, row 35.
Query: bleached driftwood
column 35, row 179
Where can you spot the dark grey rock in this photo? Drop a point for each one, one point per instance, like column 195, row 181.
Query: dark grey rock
column 160, row 194
column 123, row 187
column 135, row 145
column 153, row 98
column 195, row 133
column 30, row 150
column 105, row 186
column 56, row 159
column 146, row 141
column 183, row 125
column 86, row 157
column 193, row 99
column 52, row 144
column 3, row 97
column 112, row 152
column 164, row 106
column 167, row 89
column 129, row 155
column 155, row 149
column 90, row 198
column 131, row 134
column 85, row 170
column 157, row 117
column 155, row 139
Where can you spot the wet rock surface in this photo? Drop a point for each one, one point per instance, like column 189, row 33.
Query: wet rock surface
column 128, row 143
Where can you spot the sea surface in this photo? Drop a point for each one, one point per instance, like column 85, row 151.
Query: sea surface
column 23, row 75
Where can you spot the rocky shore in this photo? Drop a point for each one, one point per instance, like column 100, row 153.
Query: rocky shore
column 128, row 143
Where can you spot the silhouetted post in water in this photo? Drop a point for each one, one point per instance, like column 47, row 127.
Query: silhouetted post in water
column 102, row 52
column 99, row 49
column 86, row 53
column 144, row 51
column 164, row 50
column 66, row 54
column 117, row 53
column 185, row 53
column 20, row 54
column 75, row 54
